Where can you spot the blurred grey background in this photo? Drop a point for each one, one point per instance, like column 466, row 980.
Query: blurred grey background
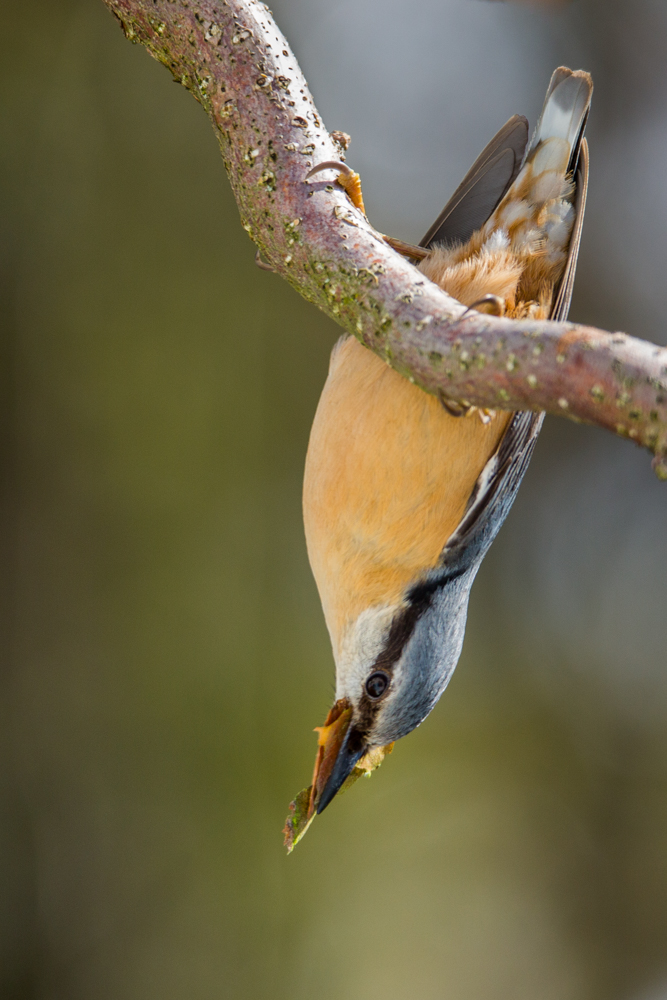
column 164, row 657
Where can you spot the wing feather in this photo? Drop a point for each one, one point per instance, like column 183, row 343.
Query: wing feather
column 483, row 186
column 494, row 494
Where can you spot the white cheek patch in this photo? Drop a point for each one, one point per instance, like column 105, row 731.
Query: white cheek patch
column 362, row 643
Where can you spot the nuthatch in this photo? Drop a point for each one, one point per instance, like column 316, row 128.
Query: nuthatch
column 402, row 495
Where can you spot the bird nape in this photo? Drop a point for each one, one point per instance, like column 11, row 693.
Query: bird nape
column 404, row 493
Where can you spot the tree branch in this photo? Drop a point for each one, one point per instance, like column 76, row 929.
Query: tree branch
column 234, row 60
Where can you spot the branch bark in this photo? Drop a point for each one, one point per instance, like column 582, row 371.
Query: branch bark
column 232, row 57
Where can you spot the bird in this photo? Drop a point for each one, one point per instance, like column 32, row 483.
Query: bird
column 404, row 492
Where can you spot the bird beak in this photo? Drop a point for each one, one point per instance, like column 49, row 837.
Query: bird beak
column 335, row 757
column 340, row 748
column 342, row 757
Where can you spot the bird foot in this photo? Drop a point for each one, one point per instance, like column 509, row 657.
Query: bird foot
column 462, row 408
column 348, row 179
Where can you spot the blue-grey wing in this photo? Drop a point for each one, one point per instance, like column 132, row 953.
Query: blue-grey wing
column 493, row 495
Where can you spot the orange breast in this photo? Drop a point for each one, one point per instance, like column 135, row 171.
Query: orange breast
column 388, row 475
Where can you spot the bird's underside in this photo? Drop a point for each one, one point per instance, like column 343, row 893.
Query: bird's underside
column 401, row 497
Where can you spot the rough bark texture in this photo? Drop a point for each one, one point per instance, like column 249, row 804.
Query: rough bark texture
column 232, row 57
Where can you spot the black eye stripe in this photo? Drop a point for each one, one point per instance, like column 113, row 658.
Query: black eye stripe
column 419, row 600
column 403, row 625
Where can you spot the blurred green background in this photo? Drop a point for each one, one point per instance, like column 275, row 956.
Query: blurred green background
column 164, row 656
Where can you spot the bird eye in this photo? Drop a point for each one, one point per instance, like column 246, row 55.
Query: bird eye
column 377, row 684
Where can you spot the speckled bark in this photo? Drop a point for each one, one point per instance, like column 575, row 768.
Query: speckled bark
column 232, row 57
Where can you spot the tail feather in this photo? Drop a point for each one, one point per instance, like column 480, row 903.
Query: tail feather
column 565, row 108
column 521, row 252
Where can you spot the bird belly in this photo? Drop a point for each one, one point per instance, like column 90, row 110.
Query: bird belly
column 388, row 475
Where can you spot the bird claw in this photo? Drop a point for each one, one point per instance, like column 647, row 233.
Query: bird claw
column 492, row 305
column 262, row 265
column 484, row 414
column 463, row 408
column 348, row 179
column 453, row 407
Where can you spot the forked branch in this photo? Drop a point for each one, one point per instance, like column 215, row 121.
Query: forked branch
column 235, row 61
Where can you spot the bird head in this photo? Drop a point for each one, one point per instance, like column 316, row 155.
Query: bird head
column 391, row 668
